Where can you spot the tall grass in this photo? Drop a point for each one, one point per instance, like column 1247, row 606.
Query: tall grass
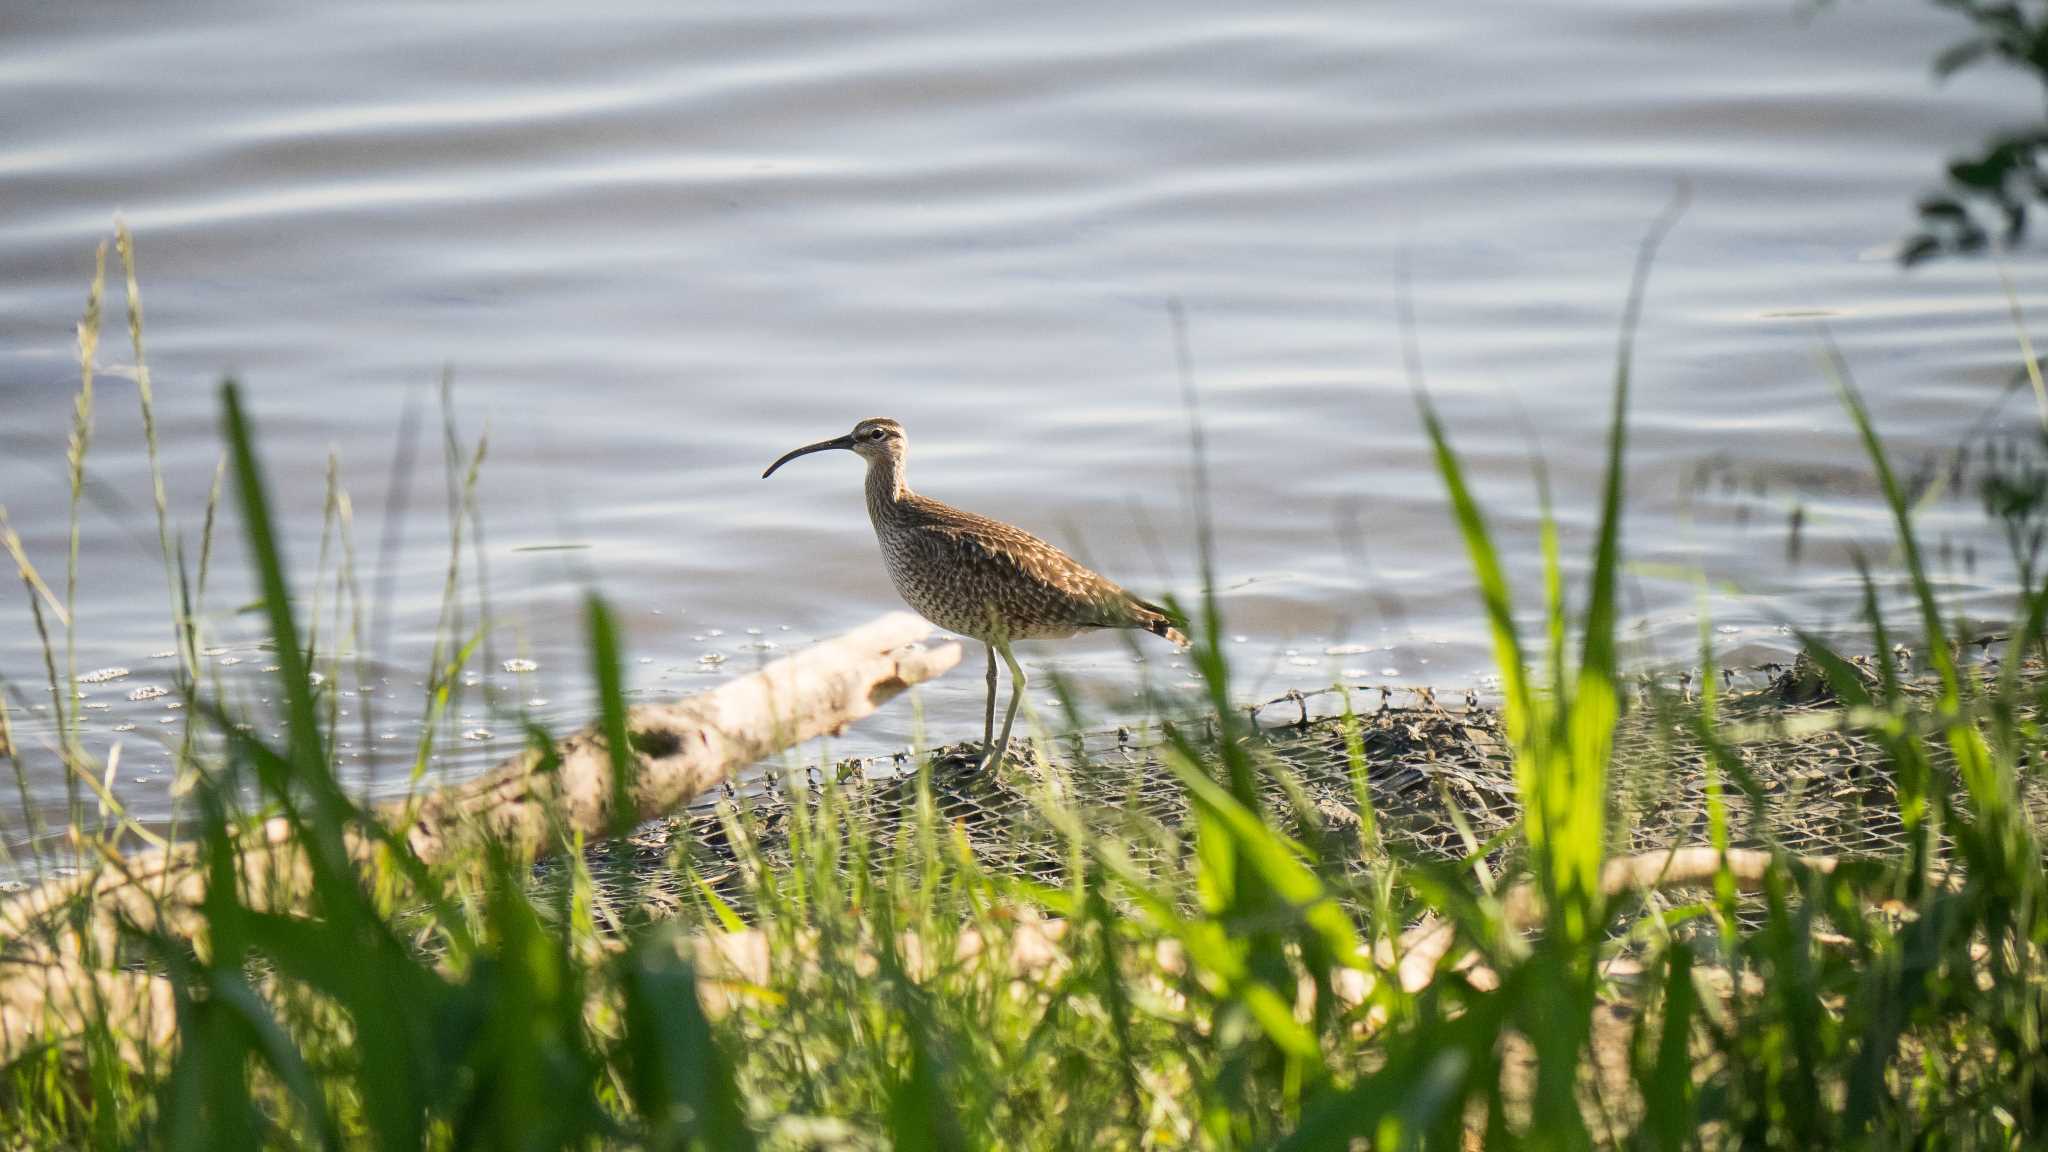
column 1270, row 987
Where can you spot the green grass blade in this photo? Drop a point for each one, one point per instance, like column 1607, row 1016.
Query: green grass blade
column 682, row 1081
column 293, row 675
column 606, row 666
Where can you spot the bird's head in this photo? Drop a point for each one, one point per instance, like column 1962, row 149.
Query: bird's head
column 876, row 439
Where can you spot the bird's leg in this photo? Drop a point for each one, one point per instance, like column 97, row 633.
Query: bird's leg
column 1017, row 682
column 988, row 722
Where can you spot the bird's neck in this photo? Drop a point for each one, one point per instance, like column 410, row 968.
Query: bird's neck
column 886, row 485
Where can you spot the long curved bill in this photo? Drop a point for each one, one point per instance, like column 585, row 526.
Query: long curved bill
column 820, row 446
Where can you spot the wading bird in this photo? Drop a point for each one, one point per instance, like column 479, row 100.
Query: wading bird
column 981, row 577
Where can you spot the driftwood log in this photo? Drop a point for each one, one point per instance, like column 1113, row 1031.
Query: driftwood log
column 731, row 964
column 680, row 750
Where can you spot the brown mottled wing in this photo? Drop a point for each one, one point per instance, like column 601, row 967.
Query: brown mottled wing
column 974, row 575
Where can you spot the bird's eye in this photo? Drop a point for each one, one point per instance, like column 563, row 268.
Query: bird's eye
column 878, row 434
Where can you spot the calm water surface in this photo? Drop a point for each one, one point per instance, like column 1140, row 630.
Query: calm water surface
column 658, row 246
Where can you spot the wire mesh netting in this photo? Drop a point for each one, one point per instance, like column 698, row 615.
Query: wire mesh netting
column 1439, row 781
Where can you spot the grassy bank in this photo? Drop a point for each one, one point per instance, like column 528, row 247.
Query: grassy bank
column 1247, row 981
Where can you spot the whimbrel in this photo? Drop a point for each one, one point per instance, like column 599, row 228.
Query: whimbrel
column 981, row 577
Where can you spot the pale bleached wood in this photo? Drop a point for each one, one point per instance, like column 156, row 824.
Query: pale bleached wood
column 684, row 748
column 730, row 965
column 45, row 1005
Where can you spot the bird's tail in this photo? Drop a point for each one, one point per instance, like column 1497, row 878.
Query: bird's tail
column 1159, row 621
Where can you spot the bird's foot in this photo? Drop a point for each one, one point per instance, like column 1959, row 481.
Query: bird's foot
column 991, row 756
column 972, row 756
column 962, row 757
